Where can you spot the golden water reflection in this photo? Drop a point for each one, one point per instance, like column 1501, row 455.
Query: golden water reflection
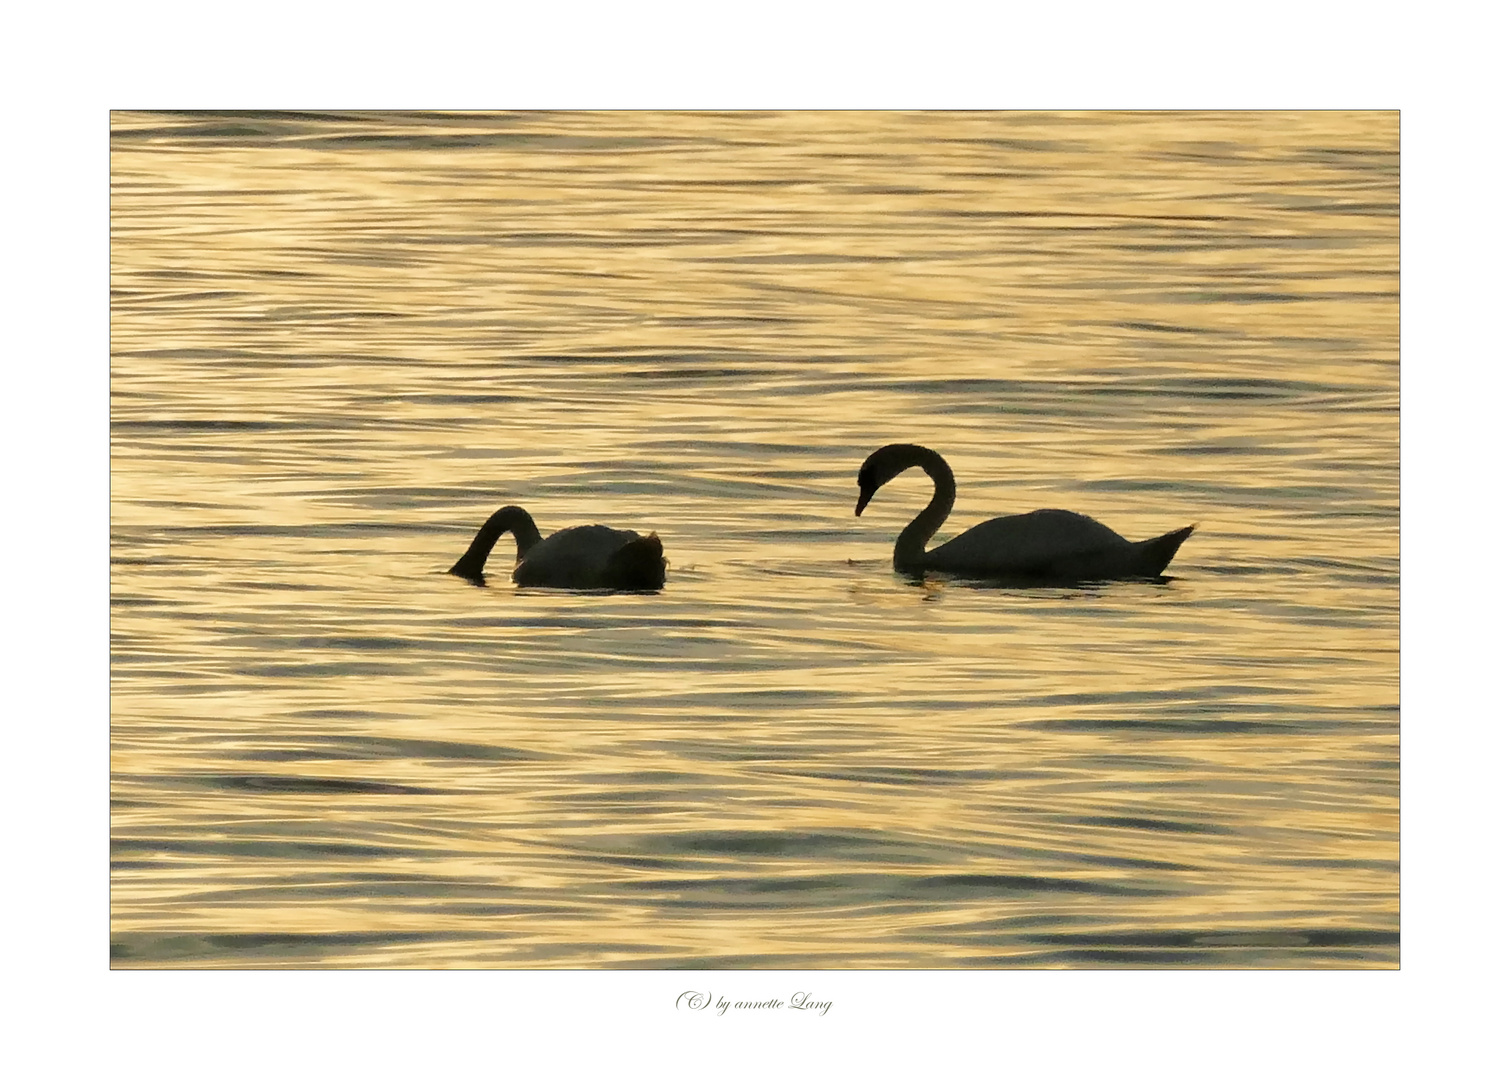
column 339, row 343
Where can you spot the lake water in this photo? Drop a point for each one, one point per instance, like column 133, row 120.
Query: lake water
column 340, row 341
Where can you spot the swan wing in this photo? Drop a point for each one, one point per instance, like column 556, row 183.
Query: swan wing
column 575, row 558
column 1045, row 543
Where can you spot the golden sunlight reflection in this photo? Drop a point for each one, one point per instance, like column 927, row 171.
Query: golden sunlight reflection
column 340, row 342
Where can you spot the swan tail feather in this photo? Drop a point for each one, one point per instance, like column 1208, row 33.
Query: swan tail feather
column 639, row 564
column 1154, row 555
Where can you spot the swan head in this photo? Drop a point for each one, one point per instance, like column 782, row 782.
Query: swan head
column 866, row 491
column 886, row 463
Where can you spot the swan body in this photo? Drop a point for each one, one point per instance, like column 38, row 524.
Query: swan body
column 1045, row 545
column 581, row 557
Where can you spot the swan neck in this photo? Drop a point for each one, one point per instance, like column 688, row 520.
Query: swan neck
column 909, row 548
column 511, row 519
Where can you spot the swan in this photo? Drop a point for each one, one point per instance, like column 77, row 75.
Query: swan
column 1046, row 545
column 581, row 557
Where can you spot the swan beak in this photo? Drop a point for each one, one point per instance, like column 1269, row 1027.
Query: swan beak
column 864, row 498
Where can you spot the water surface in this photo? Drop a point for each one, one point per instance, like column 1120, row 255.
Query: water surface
column 340, row 341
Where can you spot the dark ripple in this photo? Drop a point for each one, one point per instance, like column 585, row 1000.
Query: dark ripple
column 818, row 844
column 1209, row 939
column 1171, row 387
column 301, row 850
column 393, row 887
column 1224, row 693
column 1164, row 328
column 907, row 777
column 1181, row 727
column 951, row 887
column 218, row 425
column 277, row 784
column 1249, row 948
column 1152, row 825
column 193, row 949
column 364, row 748
column 345, row 714
column 314, row 671
column 520, row 140
column 827, row 890
column 323, row 531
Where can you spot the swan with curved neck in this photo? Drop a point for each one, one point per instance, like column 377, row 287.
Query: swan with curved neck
column 1045, row 545
column 581, row 557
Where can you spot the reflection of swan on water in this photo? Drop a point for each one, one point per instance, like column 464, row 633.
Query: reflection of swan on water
column 1046, row 545
column 582, row 557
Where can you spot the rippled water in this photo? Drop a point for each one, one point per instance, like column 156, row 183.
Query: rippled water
column 340, row 341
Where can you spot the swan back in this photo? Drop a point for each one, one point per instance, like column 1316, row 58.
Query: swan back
column 1034, row 544
column 594, row 557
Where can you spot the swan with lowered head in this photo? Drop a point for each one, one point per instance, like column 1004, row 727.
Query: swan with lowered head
column 581, row 557
column 1046, row 545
